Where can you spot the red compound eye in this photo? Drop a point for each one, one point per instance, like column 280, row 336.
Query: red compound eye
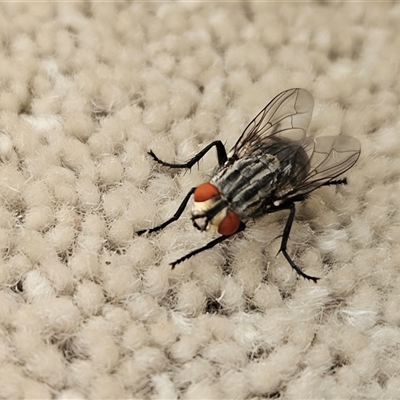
column 230, row 224
column 205, row 191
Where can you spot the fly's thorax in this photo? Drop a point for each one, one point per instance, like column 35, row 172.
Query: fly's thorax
column 249, row 183
column 211, row 211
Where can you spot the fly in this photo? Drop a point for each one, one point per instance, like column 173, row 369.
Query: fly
column 272, row 166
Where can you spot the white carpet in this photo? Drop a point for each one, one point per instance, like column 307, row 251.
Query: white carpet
column 88, row 309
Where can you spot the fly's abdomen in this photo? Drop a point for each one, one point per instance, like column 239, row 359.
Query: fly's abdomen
column 247, row 183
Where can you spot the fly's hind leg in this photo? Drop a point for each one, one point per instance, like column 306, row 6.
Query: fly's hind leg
column 221, row 154
column 342, row 181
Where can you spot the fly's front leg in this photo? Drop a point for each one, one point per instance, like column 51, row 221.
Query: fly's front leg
column 285, row 237
column 176, row 216
column 209, row 245
column 221, row 153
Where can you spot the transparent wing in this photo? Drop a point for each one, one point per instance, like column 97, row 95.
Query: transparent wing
column 328, row 157
column 287, row 116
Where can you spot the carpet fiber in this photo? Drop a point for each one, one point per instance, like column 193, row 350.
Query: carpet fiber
column 91, row 310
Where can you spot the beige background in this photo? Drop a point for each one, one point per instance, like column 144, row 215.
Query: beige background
column 90, row 310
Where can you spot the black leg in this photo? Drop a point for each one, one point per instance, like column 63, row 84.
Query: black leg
column 207, row 246
column 221, row 153
column 174, row 218
column 342, row 181
column 285, row 238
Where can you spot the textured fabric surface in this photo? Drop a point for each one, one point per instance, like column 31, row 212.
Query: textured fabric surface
column 88, row 309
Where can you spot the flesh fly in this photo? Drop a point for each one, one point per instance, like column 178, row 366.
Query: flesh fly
column 272, row 166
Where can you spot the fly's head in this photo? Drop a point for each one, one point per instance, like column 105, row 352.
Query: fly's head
column 211, row 211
